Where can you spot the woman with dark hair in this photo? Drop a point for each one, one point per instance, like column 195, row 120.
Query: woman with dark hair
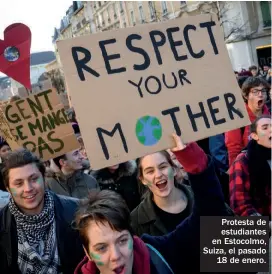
column 250, row 174
column 110, row 246
column 167, row 202
column 122, row 179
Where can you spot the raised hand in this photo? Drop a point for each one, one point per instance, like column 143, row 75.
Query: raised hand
column 179, row 143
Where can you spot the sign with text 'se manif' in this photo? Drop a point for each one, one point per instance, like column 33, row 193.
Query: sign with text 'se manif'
column 132, row 88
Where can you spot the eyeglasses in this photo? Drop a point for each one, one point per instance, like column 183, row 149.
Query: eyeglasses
column 256, row 92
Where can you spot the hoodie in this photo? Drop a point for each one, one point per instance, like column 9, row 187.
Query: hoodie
column 141, row 261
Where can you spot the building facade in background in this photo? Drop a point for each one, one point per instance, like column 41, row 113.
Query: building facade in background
column 246, row 24
column 247, row 28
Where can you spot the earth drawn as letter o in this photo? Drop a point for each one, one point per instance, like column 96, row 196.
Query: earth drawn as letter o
column 148, row 130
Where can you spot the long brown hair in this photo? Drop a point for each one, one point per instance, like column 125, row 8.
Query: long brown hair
column 144, row 191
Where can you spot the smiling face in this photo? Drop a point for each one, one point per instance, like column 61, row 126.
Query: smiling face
column 263, row 133
column 157, row 174
column 73, row 161
column 26, row 185
column 110, row 250
column 256, row 98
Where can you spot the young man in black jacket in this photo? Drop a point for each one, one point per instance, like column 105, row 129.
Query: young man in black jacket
column 35, row 227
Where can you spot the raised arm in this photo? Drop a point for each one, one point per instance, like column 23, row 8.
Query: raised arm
column 183, row 244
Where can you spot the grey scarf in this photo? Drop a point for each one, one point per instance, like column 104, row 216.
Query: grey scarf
column 37, row 245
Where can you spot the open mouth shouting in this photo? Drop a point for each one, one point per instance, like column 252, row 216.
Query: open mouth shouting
column 119, row 269
column 260, row 103
column 161, row 185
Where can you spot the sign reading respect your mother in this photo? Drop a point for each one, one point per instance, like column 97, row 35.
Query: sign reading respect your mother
column 132, row 88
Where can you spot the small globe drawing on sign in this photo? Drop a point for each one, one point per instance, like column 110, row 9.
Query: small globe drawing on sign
column 148, row 130
column 11, row 54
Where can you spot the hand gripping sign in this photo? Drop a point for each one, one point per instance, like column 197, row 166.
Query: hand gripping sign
column 132, row 88
column 15, row 53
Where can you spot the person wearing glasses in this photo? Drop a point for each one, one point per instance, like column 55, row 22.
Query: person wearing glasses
column 254, row 91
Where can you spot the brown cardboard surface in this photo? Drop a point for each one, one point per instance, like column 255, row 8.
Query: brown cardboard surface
column 48, row 139
column 107, row 100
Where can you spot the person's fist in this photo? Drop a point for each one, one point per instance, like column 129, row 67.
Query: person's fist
column 179, row 145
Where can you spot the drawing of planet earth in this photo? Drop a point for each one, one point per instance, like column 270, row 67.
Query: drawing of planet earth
column 148, row 130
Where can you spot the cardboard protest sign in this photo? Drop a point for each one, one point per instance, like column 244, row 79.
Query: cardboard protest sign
column 132, row 88
column 40, row 124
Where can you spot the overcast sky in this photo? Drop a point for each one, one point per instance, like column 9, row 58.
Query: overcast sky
column 40, row 16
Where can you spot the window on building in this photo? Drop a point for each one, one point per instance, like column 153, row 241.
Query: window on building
column 94, row 5
column 132, row 17
column 78, row 26
column 108, row 15
column 141, row 11
column 84, row 21
column 182, row 3
column 151, row 9
column 115, row 10
column 121, row 7
column 79, row 4
column 99, row 3
column 164, row 7
column 100, row 19
column 266, row 13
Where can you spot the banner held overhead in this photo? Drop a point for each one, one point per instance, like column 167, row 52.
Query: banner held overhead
column 132, row 88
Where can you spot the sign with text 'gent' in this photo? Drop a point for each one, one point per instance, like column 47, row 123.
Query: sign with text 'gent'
column 40, row 124
column 132, row 88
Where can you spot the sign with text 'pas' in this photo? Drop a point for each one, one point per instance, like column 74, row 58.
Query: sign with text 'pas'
column 132, row 88
column 40, row 124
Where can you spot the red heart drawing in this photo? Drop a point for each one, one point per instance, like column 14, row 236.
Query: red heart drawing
column 19, row 36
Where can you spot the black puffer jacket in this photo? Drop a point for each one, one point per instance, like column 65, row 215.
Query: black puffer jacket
column 69, row 245
column 123, row 181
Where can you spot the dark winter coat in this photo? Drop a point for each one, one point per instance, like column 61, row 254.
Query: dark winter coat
column 180, row 248
column 145, row 220
column 69, row 245
column 123, row 181
column 76, row 185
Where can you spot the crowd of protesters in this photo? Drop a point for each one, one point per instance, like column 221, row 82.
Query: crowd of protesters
column 141, row 216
